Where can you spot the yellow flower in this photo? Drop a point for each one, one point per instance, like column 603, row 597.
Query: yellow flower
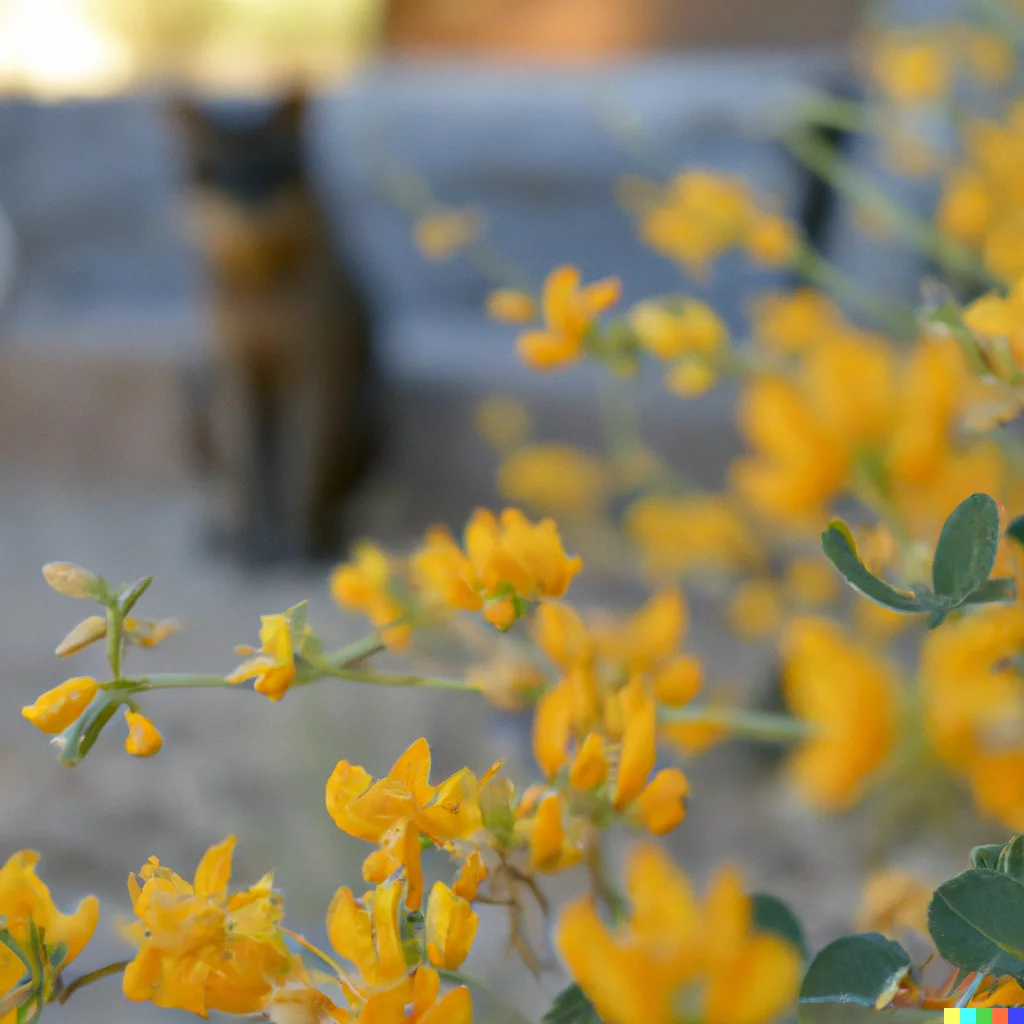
column 967, row 206
column 590, row 766
column 368, row 933
column 772, row 240
column 451, row 927
column 912, row 69
column 569, row 312
column 143, row 739
column 991, row 56
column 26, row 901
column 274, row 665
column 553, row 847
column 511, row 306
column 555, row 478
column 661, row 805
column 503, row 422
column 680, row 535
column 974, row 705
column 792, row 322
column 697, row 217
column 893, row 902
column 755, row 610
column 691, row 378
column 811, row 582
column 848, row 696
column 638, row 752
column 676, row 327
column 471, row 874
column 60, row 707
column 147, row 633
column 508, row 557
column 201, row 949
column 383, row 811
column 673, row 952
column 366, row 584
column 88, row 631
column 442, row 233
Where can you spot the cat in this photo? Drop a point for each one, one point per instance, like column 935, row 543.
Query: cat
column 290, row 411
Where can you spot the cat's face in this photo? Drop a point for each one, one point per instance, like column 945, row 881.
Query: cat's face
column 248, row 153
column 246, row 187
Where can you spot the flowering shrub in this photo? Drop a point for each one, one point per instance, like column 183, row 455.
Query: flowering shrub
column 902, row 422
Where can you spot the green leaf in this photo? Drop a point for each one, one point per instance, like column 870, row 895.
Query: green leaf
column 772, row 915
column 82, row 736
column 841, row 551
column 1011, row 859
column 296, row 616
column 863, row 969
column 1015, row 531
column 986, row 856
column 9, row 941
column 977, row 922
column 571, row 1006
column 130, row 595
column 966, row 551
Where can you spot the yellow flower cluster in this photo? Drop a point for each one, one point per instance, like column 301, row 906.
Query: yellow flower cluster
column 700, row 215
column 674, row 958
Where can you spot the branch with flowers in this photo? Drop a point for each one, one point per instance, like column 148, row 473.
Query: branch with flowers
column 899, row 693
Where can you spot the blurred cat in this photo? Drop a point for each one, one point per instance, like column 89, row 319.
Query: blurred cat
column 289, row 414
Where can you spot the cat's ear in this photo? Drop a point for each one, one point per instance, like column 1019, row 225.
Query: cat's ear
column 188, row 117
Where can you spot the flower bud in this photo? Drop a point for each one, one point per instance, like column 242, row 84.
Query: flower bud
column 143, row 738
column 71, row 580
column 58, row 708
column 88, row 631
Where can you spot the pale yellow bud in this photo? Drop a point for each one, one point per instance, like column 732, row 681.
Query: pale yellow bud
column 70, row 580
column 88, row 631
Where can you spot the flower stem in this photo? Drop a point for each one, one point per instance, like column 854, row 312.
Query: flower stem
column 400, row 679
column 88, row 979
column 355, row 651
column 182, row 681
column 972, row 989
column 751, row 725
column 816, row 155
column 894, row 318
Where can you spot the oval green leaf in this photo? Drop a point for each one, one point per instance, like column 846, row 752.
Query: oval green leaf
column 863, row 969
column 966, row 551
column 976, row 921
column 772, row 915
column 838, row 545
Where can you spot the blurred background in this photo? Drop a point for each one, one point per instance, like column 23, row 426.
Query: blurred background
column 525, row 111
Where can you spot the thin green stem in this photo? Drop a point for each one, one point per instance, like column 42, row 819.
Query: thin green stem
column 971, row 989
column 823, row 274
column 823, row 108
column 114, row 639
column 400, row 679
column 816, row 155
column 752, row 725
column 357, row 650
column 182, row 681
column 88, row 979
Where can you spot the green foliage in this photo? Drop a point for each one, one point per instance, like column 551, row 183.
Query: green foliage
column 82, row 736
column 862, row 969
column 841, row 551
column 964, row 557
column 571, row 1006
column 772, row 915
column 977, row 920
